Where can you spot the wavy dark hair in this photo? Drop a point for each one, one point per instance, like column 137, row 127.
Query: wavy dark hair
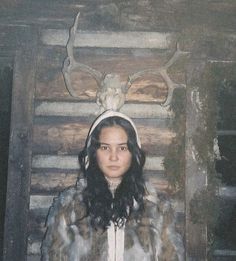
column 103, row 207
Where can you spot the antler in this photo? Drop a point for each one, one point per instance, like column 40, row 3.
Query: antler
column 70, row 64
column 111, row 92
column 164, row 74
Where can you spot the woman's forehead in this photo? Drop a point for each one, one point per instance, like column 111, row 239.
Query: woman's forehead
column 114, row 134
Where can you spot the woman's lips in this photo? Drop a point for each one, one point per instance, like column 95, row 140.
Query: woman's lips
column 113, row 167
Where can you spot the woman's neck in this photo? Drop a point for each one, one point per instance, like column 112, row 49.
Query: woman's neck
column 113, row 183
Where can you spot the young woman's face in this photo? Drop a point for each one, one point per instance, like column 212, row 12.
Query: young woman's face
column 113, row 155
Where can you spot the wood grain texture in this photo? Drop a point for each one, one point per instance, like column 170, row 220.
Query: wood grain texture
column 52, row 182
column 69, row 138
column 19, row 166
column 104, row 39
column 149, row 88
column 71, row 162
column 90, row 110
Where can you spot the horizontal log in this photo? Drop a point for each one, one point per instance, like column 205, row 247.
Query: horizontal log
column 52, row 182
column 34, row 248
column 227, row 192
column 128, row 15
column 36, row 227
column 75, row 109
column 41, row 202
column 148, row 88
column 225, row 253
column 226, row 133
column 44, row 202
column 109, row 39
column 36, row 257
column 69, row 138
column 71, row 162
column 157, row 179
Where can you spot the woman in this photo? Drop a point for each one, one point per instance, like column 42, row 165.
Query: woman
column 112, row 214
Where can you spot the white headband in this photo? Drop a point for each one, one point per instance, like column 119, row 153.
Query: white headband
column 109, row 114
column 105, row 115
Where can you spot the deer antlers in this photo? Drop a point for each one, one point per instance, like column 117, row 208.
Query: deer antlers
column 111, row 92
column 70, row 64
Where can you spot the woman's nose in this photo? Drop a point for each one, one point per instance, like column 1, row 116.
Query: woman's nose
column 113, row 155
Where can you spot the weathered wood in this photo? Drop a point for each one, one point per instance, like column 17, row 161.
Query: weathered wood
column 121, row 15
column 52, row 182
column 75, row 109
column 33, row 257
column 69, row 138
column 226, row 133
column 227, row 192
column 110, row 39
column 12, row 37
column 71, row 162
column 225, row 253
column 157, row 179
column 44, row 202
column 19, row 167
column 149, row 88
column 196, row 175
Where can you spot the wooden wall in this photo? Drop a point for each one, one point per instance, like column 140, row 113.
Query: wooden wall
column 61, row 122
column 119, row 37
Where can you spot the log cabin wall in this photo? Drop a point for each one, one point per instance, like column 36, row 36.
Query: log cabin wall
column 120, row 37
column 61, row 122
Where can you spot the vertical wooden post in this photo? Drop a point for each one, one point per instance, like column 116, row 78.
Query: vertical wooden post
column 196, row 175
column 19, row 166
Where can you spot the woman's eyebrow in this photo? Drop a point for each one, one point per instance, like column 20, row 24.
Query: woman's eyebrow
column 119, row 144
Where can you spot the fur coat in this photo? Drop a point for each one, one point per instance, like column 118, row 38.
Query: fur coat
column 70, row 238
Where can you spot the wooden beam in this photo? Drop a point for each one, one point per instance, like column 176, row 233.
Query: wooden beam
column 71, row 162
column 50, row 136
column 109, row 39
column 76, row 109
column 227, row 192
column 44, row 203
column 195, row 174
column 225, row 253
column 226, row 133
column 19, row 165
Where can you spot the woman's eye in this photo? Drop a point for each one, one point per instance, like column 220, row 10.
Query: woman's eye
column 123, row 148
column 104, row 147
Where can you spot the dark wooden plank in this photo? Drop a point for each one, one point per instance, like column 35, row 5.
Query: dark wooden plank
column 70, row 162
column 69, row 138
column 195, row 175
column 15, row 236
column 11, row 37
column 124, row 62
column 121, row 15
column 111, row 39
column 90, row 110
column 52, row 181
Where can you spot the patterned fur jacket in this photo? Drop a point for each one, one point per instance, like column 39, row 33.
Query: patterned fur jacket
column 70, row 238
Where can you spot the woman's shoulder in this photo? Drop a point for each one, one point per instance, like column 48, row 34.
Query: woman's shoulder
column 66, row 201
column 157, row 197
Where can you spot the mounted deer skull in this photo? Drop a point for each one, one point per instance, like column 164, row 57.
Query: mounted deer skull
column 111, row 91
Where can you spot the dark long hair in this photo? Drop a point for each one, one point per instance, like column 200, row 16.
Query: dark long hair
column 102, row 207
